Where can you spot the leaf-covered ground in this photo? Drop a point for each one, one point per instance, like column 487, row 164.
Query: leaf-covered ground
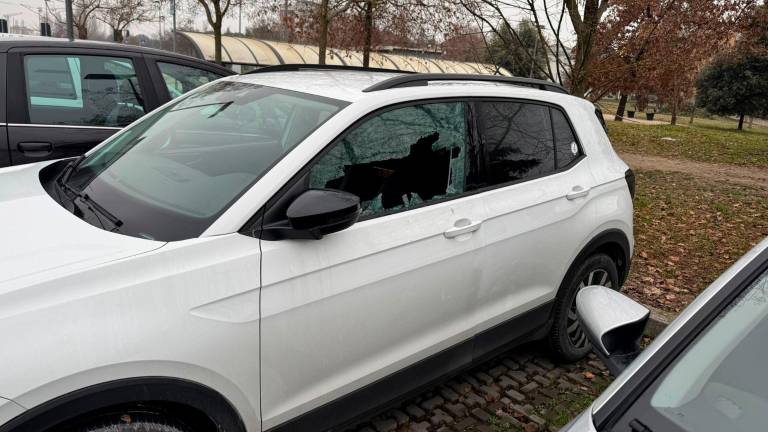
column 688, row 230
column 706, row 143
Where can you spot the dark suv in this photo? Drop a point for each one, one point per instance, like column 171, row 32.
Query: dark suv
column 59, row 98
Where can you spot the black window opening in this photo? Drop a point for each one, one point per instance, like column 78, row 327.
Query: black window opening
column 522, row 141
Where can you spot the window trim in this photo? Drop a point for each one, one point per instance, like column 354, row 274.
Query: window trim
column 253, row 227
column 157, row 75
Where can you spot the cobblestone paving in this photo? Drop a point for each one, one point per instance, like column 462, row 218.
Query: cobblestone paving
column 521, row 390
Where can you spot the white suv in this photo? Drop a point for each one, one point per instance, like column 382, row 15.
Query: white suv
column 287, row 249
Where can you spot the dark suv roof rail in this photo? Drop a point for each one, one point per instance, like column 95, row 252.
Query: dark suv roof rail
column 424, row 78
column 298, row 67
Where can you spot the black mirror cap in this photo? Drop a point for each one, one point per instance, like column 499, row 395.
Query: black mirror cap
column 318, row 212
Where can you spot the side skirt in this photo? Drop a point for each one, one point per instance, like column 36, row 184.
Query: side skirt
column 411, row 381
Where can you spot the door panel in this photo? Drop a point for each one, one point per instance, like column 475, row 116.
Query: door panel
column 344, row 311
column 65, row 141
column 5, row 156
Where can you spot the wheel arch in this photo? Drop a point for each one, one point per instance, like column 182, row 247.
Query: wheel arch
column 612, row 242
column 188, row 397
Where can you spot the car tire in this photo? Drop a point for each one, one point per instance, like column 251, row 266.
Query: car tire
column 567, row 339
column 132, row 422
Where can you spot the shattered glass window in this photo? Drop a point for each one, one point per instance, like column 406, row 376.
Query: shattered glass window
column 399, row 159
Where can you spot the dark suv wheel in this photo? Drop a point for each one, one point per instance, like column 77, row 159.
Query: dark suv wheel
column 567, row 339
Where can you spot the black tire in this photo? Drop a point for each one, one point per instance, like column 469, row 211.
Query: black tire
column 131, row 422
column 567, row 339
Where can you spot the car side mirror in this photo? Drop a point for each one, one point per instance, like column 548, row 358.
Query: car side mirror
column 614, row 324
column 315, row 213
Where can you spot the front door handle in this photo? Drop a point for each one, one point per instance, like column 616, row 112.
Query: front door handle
column 462, row 226
column 577, row 192
column 35, row 148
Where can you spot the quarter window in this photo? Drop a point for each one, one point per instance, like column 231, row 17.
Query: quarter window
column 399, row 159
column 565, row 142
column 82, row 90
column 517, row 140
column 180, row 79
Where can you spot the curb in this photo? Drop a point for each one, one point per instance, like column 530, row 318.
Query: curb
column 657, row 322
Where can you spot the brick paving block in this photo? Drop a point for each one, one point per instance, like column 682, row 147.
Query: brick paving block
column 511, row 364
column 432, row 403
column 544, row 363
column 506, row 382
column 457, row 410
column 419, row 427
column 440, row 417
column 465, row 423
column 531, row 386
column 515, row 395
column 400, row 417
column 541, row 380
column 472, row 400
column 506, row 418
column 490, row 393
column 554, row 374
column 577, row 377
column 533, row 369
column 550, row 392
column 415, row 412
column 484, row 378
column 518, row 376
column 471, row 380
column 445, row 429
column 384, row 425
column 564, row 386
column 597, row 364
column 538, row 420
column 530, row 427
column 460, row 387
column 448, row 394
column 497, row 371
column 481, row 415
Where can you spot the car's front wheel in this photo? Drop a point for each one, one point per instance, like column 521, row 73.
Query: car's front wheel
column 567, row 338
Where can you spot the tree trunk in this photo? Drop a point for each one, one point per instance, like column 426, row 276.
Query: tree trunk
column 323, row 40
column 82, row 32
column 674, row 112
column 741, row 121
column 693, row 113
column 622, row 106
column 217, row 41
column 368, row 29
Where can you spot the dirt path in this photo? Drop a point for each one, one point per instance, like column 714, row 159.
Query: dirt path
column 749, row 176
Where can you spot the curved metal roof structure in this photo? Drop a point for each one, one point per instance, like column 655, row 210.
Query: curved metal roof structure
column 259, row 52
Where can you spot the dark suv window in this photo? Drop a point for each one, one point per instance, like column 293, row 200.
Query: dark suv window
column 523, row 140
column 399, row 159
column 517, row 138
column 82, row 90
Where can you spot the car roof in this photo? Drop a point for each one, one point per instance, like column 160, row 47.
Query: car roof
column 21, row 41
column 351, row 85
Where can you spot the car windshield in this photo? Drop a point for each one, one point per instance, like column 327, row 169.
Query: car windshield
column 719, row 383
column 172, row 174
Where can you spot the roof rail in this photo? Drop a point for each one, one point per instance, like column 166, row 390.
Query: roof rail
column 298, row 67
column 424, row 78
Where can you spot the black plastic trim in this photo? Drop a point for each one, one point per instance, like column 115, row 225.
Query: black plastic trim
column 388, row 391
column 624, row 398
column 423, row 79
column 126, row 391
column 607, row 237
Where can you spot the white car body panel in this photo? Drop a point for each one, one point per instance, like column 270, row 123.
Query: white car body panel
column 282, row 327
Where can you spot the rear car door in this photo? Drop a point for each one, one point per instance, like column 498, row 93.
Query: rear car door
column 173, row 77
column 5, row 156
column 537, row 185
column 67, row 101
column 348, row 310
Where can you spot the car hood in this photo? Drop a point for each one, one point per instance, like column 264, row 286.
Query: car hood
column 39, row 238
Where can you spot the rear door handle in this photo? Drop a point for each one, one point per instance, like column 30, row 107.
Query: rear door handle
column 35, row 148
column 577, row 192
column 462, row 226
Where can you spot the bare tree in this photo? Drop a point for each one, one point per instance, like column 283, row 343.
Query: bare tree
column 215, row 10
column 119, row 14
column 82, row 11
column 329, row 9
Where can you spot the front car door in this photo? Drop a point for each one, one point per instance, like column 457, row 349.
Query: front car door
column 343, row 312
column 5, row 156
column 173, row 77
column 532, row 160
column 67, row 101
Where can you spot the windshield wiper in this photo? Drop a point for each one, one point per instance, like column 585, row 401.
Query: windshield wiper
column 90, row 202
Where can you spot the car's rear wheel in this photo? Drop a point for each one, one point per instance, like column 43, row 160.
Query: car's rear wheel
column 132, row 422
column 567, row 339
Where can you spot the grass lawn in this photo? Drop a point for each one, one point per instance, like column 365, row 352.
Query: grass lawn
column 688, row 230
column 705, row 143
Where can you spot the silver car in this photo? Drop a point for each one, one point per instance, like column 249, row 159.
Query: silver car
column 705, row 372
